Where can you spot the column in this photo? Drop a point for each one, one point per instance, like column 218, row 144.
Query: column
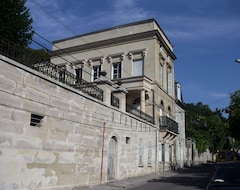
column 142, row 100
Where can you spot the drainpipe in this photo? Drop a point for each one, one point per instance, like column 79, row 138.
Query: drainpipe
column 153, row 94
column 103, row 136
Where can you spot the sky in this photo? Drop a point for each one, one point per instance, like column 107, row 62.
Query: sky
column 205, row 35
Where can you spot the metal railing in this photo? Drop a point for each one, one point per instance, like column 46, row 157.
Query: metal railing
column 18, row 53
column 114, row 101
column 26, row 57
column 139, row 113
column 167, row 123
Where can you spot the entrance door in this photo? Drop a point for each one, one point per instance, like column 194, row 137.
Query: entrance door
column 112, row 157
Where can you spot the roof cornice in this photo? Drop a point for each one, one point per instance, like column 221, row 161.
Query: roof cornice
column 118, row 40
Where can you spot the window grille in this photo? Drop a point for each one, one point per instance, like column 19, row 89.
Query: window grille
column 36, row 120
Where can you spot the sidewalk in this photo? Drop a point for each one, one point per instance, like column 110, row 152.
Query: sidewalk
column 127, row 183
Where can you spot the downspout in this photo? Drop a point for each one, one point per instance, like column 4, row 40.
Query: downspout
column 103, row 136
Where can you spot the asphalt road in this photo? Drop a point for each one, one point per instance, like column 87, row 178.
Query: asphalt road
column 193, row 178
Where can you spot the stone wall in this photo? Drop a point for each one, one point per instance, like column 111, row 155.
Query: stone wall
column 69, row 145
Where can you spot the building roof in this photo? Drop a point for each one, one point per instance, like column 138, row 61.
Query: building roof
column 112, row 28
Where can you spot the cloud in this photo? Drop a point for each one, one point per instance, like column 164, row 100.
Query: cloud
column 219, row 95
column 197, row 28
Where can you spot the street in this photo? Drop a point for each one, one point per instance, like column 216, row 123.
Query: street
column 193, row 178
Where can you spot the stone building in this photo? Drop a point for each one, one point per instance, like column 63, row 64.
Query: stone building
column 136, row 58
column 105, row 108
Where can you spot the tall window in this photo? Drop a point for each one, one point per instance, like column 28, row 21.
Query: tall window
column 141, row 153
column 160, row 74
column 116, row 70
column 78, row 72
column 96, row 71
column 138, row 67
column 149, row 153
column 169, row 80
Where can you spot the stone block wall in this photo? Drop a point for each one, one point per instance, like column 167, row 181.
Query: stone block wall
column 70, row 144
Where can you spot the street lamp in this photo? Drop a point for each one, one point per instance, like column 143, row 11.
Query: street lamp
column 237, row 60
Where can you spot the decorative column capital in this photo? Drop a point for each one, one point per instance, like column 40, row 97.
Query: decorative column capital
column 130, row 56
column 144, row 53
column 89, row 62
column 109, row 59
column 101, row 60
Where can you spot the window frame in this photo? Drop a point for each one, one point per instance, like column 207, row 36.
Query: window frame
column 96, row 70
column 118, row 70
column 139, row 71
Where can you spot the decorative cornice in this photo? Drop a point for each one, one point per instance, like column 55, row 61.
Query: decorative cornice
column 118, row 40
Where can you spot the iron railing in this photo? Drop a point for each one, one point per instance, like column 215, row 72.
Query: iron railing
column 18, row 53
column 26, row 57
column 114, row 101
column 167, row 123
column 139, row 113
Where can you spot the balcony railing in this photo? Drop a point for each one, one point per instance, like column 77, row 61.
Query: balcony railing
column 28, row 58
column 139, row 113
column 114, row 101
column 66, row 77
column 167, row 123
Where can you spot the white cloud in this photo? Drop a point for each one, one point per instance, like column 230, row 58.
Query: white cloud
column 219, row 95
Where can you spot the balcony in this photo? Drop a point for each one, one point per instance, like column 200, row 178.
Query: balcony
column 131, row 109
column 167, row 124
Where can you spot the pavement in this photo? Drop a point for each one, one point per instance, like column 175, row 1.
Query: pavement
column 128, row 183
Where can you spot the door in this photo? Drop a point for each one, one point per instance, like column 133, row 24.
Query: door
column 112, row 157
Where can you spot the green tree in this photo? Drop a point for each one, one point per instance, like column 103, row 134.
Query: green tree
column 207, row 128
column 233, row 111
column 15, row 21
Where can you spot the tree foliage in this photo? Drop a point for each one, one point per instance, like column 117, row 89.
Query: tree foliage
column 233, row 111
column 207, row 128
column 15, row 21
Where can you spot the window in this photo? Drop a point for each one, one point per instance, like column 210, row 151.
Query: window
column 36, row 120
column 116, row 70
column 128, row 140
column 96, row 71
column 138, row 67
column 78, row 75
column 141, row 153
column 160, row 74
column 149, row 154
column 169, row 80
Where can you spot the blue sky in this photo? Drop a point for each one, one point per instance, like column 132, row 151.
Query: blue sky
column 205, row 35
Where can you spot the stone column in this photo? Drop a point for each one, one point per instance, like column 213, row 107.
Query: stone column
column 142, row 101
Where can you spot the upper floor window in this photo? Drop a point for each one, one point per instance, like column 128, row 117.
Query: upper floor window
column 116, row 70
column 138, row 67
column 78, row 72
column 96, row 71
column 169, row 81
column 160, row 74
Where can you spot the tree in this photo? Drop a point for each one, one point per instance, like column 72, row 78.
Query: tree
column 207, row 128
column 15, row 21
column 233, row 111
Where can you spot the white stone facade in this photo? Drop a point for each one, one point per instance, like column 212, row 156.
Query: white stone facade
column 71, row 145
column 54, row 135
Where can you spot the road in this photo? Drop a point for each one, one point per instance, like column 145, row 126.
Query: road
column 193, row 178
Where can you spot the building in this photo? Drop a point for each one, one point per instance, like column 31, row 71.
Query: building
column 106, row 107
column 137, row 57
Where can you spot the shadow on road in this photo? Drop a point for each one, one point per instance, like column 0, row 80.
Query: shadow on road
column 197, row 176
